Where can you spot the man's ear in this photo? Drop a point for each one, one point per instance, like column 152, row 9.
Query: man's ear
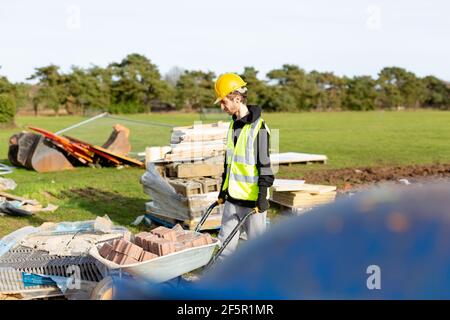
column 237, row 99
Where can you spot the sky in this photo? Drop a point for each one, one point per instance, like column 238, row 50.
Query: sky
column 348, row 37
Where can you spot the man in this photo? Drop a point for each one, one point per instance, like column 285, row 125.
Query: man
column 247, row 173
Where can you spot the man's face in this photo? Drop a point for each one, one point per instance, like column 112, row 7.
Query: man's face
column 230, row 106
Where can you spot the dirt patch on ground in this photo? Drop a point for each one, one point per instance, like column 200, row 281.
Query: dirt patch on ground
column 348, row 178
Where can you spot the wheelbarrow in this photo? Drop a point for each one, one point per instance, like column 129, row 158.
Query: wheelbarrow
column 173, row 265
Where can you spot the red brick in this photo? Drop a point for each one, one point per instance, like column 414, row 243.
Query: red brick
column 178, row 229
column 138, row 238
column 111, row 255
column 128, row 249
column 199, row 241
column 128, row 260
column 179, row 246
column 121, row 245
column 162, row 247
column 186, row 237
column 208, row 238
column 147, row 240
column 105, row 250
column 119, row 257
column 165, row 233
column 147, row 256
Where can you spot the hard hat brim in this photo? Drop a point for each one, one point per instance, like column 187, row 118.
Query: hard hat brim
column 217, row 100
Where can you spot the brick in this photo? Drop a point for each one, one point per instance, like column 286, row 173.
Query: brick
column 162, row 247
column 128, row 248
column 165, row 233
column 208, row 238
column 128, row 260
column 105, row 250
column 119, row 257
column 179, row 246
column 121, row 245
column 178, row 229
column 147, row 241
column 141, row 236
column 134, row 251
column 145, row 256
column 186, row 237
column 199, row 241
column 111, row 255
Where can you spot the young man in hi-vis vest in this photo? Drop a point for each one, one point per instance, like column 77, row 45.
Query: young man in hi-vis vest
column 247, row 174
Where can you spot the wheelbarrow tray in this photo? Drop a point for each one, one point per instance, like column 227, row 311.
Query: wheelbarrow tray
column 165, row 267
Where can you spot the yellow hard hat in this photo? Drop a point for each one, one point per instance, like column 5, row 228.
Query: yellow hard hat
column 226, row 84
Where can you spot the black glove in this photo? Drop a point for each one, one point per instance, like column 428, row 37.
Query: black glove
column 262, row 203
column 222, row 196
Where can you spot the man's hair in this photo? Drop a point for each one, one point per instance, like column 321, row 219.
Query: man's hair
column 242, row 92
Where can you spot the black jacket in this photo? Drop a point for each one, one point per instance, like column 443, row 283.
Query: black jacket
column 262, row 156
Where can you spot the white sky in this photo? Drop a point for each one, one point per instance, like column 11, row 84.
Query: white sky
column 349, row 37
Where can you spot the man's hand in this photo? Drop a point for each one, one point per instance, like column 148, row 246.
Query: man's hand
column 221, row 197
column 262, row 204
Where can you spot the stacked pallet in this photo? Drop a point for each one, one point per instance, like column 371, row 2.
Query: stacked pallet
column 181, row 200
column 297, row 194
column 195, row 142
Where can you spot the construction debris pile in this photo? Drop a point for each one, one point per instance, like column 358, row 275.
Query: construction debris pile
column 38, row 262
column 4, row 169
column 18, row 206
column 158, row 242
column 70, row 258
column 7, row 184
column 47, row 151
column 299, row 195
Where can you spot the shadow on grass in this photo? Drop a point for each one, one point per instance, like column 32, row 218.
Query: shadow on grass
column 5, row 161
column 120, row 209
column 32, row 220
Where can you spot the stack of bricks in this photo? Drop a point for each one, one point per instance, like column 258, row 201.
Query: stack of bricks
column 124, row 252
column 158, row 242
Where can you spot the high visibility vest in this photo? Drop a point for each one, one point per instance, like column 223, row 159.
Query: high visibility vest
column 242, row 174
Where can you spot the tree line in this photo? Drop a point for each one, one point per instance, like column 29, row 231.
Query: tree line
column 135, row 85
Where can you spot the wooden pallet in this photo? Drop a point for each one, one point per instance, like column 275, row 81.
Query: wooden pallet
column 302, row 199
column 300, row 185
column 298, row 207
column 213, row 222
column 288, row 158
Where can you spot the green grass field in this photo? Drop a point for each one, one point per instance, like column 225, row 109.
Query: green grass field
column 349, row 139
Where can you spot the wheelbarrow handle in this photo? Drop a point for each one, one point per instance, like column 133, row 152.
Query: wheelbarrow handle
column 205, row 216
column 230, row 237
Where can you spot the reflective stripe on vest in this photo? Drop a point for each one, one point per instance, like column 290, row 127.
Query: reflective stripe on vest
column 242, row 174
